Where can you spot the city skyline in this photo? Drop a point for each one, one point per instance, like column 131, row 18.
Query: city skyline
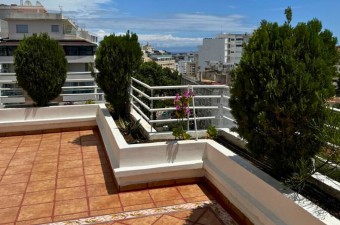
column 181, row 25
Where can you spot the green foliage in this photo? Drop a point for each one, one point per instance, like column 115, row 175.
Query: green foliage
column 154, row 75
column 89, row 101
column 280, row 88
column 180, row 133
column 330, row 155
column 117, row 59
column 40, row 67
column 128, row 126
column 212, row 132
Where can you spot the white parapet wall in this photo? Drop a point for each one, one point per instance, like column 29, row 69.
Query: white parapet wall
column 258, row 196
column 42, row 118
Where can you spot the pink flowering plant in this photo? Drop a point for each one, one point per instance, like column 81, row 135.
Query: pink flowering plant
column 182, row 103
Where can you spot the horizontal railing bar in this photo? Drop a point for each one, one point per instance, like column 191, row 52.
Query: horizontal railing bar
column 8, row 81
column 11, row 89
column 78, row 87
column 141, row 103
column 81, row 94
column 79, row 79
column 185, row 119
column 225, row 117
column 162, row 97
column 12, row 96
column 140, row 82
column 140, row 112
column 227, row 108
column 140, row 92
column 196, row 96
column 173, row 108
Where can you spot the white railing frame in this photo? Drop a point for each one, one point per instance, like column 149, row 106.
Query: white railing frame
column 151, row 98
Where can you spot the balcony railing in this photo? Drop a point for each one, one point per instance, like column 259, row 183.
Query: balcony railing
column 71, row 93
column 209, row 103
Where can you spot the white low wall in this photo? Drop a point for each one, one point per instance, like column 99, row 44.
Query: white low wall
column 52, row 117
column 260, row 202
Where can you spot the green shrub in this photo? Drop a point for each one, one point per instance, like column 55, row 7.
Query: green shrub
column 89, row 101
column 212, row 132
column 40, row 66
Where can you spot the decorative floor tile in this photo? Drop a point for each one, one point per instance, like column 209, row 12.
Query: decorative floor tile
column 209, row 212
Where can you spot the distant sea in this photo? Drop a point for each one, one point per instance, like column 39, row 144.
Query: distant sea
column 175, row 50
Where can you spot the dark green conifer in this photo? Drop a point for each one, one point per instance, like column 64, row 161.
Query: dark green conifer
column 280, row 88
column 117, row 58
column 40, row 67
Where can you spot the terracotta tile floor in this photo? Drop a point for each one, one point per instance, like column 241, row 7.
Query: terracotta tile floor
column 65, row 176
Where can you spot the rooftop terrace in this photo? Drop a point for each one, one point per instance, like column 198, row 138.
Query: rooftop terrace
column 70, row 163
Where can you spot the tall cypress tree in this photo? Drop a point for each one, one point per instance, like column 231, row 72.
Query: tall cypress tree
column 280, row 88
column 117, row 58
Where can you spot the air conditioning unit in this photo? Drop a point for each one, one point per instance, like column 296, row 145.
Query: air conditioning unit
column 5, row 66
column 5, row 70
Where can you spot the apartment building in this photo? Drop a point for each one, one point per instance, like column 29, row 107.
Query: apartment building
column 18, row 21
column 162, row 58
column 217, row 56
column 225, row 48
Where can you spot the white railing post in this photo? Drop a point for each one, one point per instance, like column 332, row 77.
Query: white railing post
column 194, row 111
column 188, row 115
column 151, row 107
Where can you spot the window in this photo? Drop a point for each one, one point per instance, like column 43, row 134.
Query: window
column 22, row 28
column 55, row 28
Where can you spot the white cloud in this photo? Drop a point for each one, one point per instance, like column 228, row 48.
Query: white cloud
column 184, row 23
column 181, row 30
column 169, row 40
column 160, row 40
column 102, row 18
column 67, row 5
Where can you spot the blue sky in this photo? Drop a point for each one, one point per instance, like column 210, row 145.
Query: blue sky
column 182, row 24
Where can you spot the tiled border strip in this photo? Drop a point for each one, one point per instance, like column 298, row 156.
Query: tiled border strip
column 214, row 206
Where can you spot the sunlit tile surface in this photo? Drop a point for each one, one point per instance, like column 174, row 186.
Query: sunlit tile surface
column 65, row 176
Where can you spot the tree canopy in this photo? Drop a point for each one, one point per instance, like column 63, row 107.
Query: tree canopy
column 154, row 75
column 40, row 66
column 280, row 88
column 117, row 59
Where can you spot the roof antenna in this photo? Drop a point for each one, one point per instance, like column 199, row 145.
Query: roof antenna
column 61, row 9
column 21, row 2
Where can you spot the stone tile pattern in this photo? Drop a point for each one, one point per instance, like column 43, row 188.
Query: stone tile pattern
column 200, row 213
column 65, row 175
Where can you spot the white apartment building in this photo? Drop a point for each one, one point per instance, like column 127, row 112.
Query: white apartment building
column 225, row 48
column 18, row 21
column 165, row 61
column 182, row 67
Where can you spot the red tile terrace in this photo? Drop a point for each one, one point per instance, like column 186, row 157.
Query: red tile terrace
column 69, row 164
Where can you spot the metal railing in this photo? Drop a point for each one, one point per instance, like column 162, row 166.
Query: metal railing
column 210, row 100
column 70, row 93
